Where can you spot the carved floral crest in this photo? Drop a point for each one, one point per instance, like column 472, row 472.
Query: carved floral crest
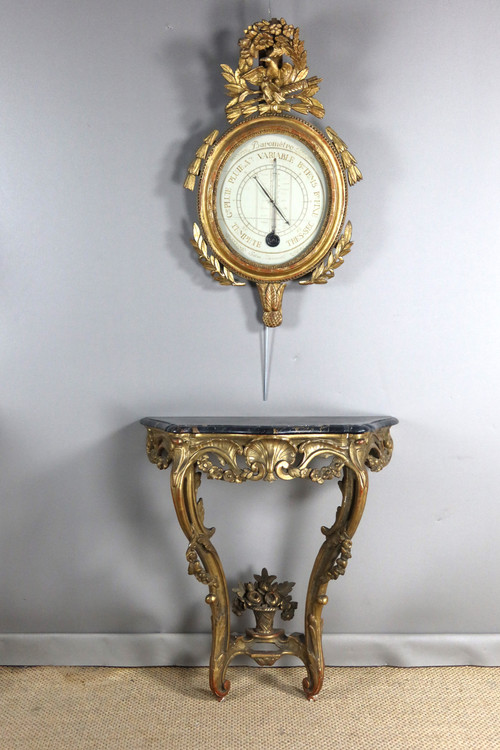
column 273, row 86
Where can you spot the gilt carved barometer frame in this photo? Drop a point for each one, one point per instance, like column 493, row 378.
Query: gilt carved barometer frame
column 272, row 190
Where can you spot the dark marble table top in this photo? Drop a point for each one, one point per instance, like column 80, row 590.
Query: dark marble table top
column 269, row 425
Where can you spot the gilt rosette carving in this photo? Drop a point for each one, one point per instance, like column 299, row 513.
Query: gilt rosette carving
column 195, row 568
column 338, row 566
column 225, row 452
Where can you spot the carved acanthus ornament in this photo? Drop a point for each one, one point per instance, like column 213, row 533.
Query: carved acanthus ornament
column 271, row 458
column 159, row 448
column 271, row 297
column 241, row 458
column 373, row 449
column 380, row 452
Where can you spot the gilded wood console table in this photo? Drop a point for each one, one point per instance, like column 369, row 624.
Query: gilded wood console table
column 244, row 449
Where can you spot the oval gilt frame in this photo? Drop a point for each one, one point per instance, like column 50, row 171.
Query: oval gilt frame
column 337, row 197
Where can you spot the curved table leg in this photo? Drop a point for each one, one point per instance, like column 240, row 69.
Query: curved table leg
column 331, row 562
column 205, row 565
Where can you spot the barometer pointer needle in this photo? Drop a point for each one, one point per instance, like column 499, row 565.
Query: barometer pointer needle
column 273, row 234
column 273, row 202
column 275, row 184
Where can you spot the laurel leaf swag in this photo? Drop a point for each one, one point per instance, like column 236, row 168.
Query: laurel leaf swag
column 326, row 269
column 348, row 161
column 195, row 166
column 219, row 272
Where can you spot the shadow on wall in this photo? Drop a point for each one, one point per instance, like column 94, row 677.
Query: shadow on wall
column 193, row 75
column 99, row 538
column 344, row 51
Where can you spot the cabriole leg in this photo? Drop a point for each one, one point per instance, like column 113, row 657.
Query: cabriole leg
column 204, row 563
column 331, row 562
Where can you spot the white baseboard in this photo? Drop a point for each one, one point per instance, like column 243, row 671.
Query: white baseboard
column 155, row 649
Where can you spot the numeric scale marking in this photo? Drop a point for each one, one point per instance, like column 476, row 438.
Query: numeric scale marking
column 272, row 199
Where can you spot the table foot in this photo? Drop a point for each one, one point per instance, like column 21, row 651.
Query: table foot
column 219, row 688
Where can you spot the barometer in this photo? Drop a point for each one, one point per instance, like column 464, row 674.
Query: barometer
column 272, row 189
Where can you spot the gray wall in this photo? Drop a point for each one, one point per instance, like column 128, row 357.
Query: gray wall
column 107, row 316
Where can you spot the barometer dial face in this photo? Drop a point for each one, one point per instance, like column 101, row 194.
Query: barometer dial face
column 272, row 198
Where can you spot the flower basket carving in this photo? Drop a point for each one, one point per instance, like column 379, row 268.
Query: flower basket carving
column 264, row 597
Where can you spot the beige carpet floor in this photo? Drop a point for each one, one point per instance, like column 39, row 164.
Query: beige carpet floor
column 380, row 708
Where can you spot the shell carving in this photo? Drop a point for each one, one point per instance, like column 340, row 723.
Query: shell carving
column 270, row 460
